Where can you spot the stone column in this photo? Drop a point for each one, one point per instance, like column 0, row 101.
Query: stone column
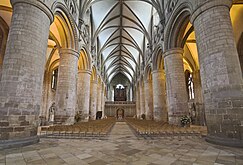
column 99, row 95
column 175, row 85
column 22, row 73
column 83, row 93
column 222, row 83
column 93, row 99
column 142, row 99
column 66, row 94
column 197, row 86
column 159, row 99
column 103, row 101
column 198, row 100
column 110, row 93
column 148, row 95
column 138, row 113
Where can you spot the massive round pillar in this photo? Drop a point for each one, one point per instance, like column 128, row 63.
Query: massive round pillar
column 222, row 84
column 93, row 99
column 66, row 94
column 138, row 114
column 148, row 90
column 103, row 101
column 159, row 99
column 83, row 93
column 175, row 85
column 142, row 99
column 22, row 73
column 99, row 97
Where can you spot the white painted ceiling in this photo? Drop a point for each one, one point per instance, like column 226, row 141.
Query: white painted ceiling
column 122, row 29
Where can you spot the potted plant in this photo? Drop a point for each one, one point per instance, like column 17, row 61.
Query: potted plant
column 185, row 121
column 77, row 117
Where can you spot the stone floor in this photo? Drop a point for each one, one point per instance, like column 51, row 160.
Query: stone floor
column 122, row 147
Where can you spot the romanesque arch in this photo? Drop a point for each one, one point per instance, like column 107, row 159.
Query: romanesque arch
column 94, row 76
column 159, row 87
column 61, row 60
column 176, row 25
column 158, row 60
column 177, row 101
column 65, row 18
column 83, row 84
column 84, row 62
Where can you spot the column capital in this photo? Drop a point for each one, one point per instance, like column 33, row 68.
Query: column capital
column 37, row 3
column 85, row 71
column 208, row 5
column 172, row 51
column 69, row 51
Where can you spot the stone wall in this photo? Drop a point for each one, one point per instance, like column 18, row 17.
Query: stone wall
column 112, row 107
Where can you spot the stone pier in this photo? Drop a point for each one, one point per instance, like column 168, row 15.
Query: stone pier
column 159, row 98
column 142, row 99
column 222, row 84
column 66, row 94
column 22, row 73
column 93, row 99
column 175, row 85
column 148, row 99
column 83, row 93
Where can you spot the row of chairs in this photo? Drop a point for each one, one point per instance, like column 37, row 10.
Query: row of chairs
column 152, row 128
column 96, row 128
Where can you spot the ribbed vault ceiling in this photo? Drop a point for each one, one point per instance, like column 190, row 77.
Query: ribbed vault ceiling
column 122, row 29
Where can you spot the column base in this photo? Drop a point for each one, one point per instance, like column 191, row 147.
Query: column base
column 225, row 141
column 6, row 144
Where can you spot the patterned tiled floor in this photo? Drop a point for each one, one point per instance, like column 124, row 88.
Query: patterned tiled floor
column 122, row 147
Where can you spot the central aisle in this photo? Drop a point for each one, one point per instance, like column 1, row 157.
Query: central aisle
column 121, row 131
column 121, row 147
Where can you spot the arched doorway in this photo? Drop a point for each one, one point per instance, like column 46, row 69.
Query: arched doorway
column 120, row 114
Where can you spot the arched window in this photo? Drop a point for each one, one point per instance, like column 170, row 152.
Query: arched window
column 190, row 85
column 120, row 93
column 120, row 86
column 54, row 79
